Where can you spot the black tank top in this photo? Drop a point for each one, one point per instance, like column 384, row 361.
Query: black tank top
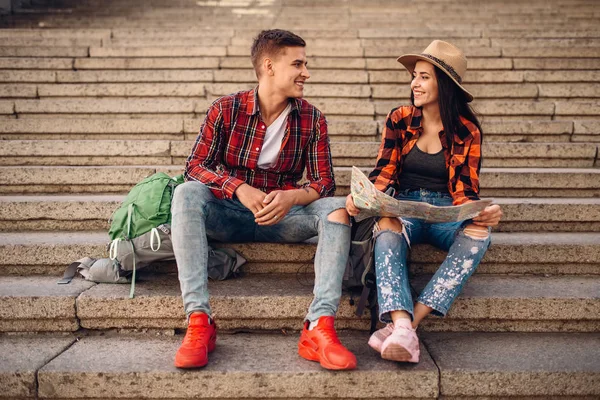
column 424, row 171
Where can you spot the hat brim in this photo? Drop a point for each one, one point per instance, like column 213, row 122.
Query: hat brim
column 410, row 60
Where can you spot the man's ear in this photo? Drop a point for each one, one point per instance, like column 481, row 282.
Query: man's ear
column 268, row 66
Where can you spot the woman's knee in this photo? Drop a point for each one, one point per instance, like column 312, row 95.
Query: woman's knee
column 391, row 224
column 476, row 232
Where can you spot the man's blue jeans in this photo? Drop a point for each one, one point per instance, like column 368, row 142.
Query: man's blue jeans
column 198, row 216
column 391, row 254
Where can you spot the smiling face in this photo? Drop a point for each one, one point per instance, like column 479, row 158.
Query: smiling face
column 288, row 72
column 424, row 84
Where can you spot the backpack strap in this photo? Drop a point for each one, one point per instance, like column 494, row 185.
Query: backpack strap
column 71, row 270
column 133, row 275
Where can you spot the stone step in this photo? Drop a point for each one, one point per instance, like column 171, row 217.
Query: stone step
column 452, row 364
column 279, row 301
column 89, row 212
column 156, row 129
column 363, row 154
column 34, row 253
column 375, row 91
column 44, row 51
column 264, row 366
column 495, row 182
column 35, row 63
column 123, row 107
column 519, row 182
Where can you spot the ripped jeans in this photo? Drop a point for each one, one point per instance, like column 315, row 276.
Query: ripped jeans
column 198, row 216
column 391, row 256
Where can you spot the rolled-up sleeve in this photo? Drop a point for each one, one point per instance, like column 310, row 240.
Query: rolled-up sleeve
column 319, row 168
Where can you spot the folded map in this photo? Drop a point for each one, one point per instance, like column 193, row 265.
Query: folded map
column 373, row 202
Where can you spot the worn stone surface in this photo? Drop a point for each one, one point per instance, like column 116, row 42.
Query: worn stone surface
column 528, row 127
column 526, row 297
column 555, row 63
column 134, row 76
column 545, row 52
column 20, row 359
column 7, row 107
column 15, row 76
column 267, row 301
column 92, row 126
column 39, row 304
column 165, row 51
column 36, row 63
column 527, row 364
column 123, row 90
column 138, row 41
column 17, row 90
column 105, row 106
column 43, row 51
column 344, row 107
column 566, row 90
column 147, row 63
column 170, row 32
column 242, row 366
column 533, row 215
column 77, row 148
column 591, row 108
column 562, row 76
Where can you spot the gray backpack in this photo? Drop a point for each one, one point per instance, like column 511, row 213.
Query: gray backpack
column 360, row 272
column 150, row 247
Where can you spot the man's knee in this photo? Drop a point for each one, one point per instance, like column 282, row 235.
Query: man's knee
column 476, row 232
column 340, row 216
column 190, row 195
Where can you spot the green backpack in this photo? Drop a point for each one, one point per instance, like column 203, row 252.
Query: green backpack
column 146, row 208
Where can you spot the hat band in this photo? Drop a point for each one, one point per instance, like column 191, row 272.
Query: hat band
column 447, row 67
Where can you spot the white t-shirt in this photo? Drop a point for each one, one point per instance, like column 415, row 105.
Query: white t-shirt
column 273, row 138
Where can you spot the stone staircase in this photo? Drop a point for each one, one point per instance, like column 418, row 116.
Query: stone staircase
column 95, row 96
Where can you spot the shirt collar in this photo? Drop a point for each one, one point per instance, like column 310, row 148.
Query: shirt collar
column 415, row 120
column 253, row 106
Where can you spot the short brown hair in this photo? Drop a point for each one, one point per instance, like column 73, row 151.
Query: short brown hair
column 272, row 42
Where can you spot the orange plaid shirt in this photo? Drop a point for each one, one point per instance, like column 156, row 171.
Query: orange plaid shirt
column 400, row 134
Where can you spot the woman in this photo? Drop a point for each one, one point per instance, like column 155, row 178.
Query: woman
column 430, row 152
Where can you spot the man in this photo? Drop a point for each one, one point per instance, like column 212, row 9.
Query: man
column 242, row 186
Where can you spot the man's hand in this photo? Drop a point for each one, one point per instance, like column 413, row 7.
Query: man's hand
column 250, row 197
column 490, row 216
column 351, row 207
column 276, row 206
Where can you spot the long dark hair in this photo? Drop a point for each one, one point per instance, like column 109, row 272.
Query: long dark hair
column 453, row 104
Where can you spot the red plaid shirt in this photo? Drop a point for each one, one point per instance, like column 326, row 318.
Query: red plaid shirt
column 226, row 151
column 400, row 134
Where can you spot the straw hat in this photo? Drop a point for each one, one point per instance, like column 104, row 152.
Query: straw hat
column 447, row 57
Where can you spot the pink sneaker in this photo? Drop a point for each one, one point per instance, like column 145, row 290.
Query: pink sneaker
column 402, row 344
column 377, row 338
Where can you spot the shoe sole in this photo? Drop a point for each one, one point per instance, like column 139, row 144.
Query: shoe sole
column 309, row 354
column 396, row 352
column 375, row 344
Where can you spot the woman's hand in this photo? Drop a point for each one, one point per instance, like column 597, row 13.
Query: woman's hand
column 350, row 207
column 490, row 216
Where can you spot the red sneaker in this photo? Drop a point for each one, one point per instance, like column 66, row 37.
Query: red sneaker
column 322, row 345
column 200, row 339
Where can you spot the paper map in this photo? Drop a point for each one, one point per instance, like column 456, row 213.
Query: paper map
column 373, row 202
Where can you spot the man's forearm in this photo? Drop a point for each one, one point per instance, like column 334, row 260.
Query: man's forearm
column 304, row 196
